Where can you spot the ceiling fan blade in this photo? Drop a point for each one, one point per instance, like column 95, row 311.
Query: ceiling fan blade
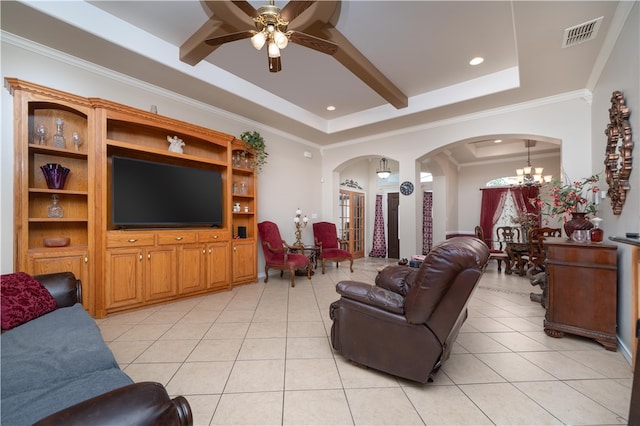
column 226, row 38
column 313, row 42
column 319, row 13
column 195, row 49
column 294, row 8
column 361, row 67
column 236, row 14
column 275, row 64
column 244, row 6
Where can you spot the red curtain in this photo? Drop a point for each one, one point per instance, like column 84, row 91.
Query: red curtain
column 379, row 247
column 492, row 204
column 427, row 222
column 524, row 199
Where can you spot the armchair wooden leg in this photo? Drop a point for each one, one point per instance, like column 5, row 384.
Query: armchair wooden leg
column 351, row 264
column 266, row 274
column 309, row 271
column 323, row 266
column 292, row 272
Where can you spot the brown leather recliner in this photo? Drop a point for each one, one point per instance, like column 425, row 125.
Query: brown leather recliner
column 407, row 322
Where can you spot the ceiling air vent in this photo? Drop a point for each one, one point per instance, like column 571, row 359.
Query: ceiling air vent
column 581, row 33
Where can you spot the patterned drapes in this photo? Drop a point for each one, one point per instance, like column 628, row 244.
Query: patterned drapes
column 379, row 248
column 427, row 222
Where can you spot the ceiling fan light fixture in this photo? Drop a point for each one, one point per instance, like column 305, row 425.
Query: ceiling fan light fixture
column 258, row 40
column 281, row 39
column 274, row 51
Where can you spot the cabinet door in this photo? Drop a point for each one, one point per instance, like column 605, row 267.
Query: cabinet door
column 218, row 266
column 191, row 267
column 123, row 284
column 75, row 262
column 160, row 273
column 244, row 262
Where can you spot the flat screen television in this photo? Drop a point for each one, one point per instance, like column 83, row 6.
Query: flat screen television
column 149, row 194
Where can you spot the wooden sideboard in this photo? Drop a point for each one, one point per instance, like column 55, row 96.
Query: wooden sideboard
column 582, row 290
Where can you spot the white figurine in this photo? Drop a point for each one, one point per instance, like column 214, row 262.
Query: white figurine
column 175, row 144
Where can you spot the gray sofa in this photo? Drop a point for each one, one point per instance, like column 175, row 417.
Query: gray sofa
column 57, row 369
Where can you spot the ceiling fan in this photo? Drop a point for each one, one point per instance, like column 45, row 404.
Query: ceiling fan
column 302, row 22
column 272, row 28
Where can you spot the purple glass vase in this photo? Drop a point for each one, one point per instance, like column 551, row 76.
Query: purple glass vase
column 55, row 175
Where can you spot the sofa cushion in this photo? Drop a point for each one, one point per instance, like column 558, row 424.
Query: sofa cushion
column 32, row 405
column 22, row 299
column 52, row 362
column 56, row 347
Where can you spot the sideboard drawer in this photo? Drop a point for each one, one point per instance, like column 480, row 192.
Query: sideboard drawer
column 129, row 239
column 213, row 236
column 176, row 237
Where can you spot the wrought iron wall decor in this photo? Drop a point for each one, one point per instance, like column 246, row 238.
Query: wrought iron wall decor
column 618, row 154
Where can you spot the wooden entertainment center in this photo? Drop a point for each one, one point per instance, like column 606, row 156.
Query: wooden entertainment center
column 123, row 269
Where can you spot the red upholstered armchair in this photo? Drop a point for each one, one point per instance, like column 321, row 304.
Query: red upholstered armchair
column 277, row 255
column 326, row 238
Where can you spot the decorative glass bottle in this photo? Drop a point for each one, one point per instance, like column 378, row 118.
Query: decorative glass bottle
column 596, row 233
column 58, row 138
column 54, row 210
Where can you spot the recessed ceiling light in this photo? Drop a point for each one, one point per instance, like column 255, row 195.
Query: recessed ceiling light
column 497, row 141
column 476, row 61
column 331, row 108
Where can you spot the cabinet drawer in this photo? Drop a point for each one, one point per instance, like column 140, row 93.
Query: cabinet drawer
column 213, row 236
column 176, row 237
column 129, row 239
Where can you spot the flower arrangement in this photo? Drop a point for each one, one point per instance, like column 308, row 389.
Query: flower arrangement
column 254, row 142
column 525, row 220
column 575, row 197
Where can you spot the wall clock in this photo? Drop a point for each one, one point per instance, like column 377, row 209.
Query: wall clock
column 617, row 158
column 406, row 188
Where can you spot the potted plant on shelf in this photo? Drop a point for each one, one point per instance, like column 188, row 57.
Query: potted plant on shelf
column 254, row 143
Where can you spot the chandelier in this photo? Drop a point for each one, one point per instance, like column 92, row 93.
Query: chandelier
column 383, row 172
column 271, row 30
column 529, row 176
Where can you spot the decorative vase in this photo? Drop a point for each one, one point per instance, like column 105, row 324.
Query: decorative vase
column 58, row 138
column 596, row 233
column 54, row 210
column 577, row 221
column 55, row 175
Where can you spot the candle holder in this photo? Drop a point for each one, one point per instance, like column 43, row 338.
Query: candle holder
column 301, row 223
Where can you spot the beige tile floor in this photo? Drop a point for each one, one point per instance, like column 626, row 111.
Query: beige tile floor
column 260, row 355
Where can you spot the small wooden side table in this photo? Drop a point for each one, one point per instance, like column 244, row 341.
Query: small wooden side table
column 582, row 290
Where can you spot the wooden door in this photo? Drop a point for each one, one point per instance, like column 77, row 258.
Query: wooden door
column 351, row 227
column 123, row 286
column 160, row 273
column 192, row 260
column 64, row 261
column 243, row 261
column 393, row 242
column 218, row 266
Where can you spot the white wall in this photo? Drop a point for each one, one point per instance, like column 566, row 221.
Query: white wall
column 565, row 118
column 621, row 72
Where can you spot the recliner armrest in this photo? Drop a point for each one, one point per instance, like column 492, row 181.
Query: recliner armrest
column 371, row 295
column 145, row 403
column 63, row 286
column 397, row 278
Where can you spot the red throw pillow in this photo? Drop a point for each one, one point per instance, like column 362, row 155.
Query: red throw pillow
column 23, row 298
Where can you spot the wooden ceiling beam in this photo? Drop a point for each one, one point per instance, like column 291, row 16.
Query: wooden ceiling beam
column 361, row 67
